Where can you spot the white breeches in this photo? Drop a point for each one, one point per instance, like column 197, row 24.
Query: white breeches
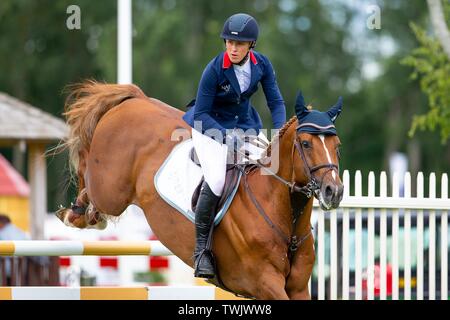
column 212, row 156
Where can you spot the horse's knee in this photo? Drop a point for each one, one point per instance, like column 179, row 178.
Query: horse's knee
column 271, row 287
column 272, row 293
column 297, row 282
column 300, row 294
column 303, row 270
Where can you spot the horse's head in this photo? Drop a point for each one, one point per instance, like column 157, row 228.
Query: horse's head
column 317, row 153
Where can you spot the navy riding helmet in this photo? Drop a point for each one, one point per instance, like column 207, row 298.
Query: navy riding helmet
column 240, row 27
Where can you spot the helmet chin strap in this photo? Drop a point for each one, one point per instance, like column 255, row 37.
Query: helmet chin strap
column 244, row 60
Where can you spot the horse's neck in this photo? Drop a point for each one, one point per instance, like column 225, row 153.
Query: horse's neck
column 303, row 203
column 282, row 152
column 272, row 191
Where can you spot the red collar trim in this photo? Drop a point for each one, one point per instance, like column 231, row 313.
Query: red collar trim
column 253, row 58
column 227, row 62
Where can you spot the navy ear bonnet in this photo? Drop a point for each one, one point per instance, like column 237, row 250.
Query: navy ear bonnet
column 316, row 122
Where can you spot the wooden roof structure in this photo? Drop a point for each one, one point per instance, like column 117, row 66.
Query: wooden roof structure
column 25, row 125
column 21, row 121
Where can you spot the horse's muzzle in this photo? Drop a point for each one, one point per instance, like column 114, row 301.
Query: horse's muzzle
column 331, row 194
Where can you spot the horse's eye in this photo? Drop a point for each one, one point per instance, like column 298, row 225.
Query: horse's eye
column 338, row 152
column 306, row 144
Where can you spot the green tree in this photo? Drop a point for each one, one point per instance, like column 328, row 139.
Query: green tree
column 432, row 66
column 383, row 108
column 40, row 56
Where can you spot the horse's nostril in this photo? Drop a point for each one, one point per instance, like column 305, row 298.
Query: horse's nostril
column 328, row 192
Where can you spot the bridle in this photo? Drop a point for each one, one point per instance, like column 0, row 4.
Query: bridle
column 311, row 188
column 312, row 181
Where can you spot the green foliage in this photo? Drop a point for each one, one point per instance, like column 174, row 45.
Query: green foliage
column 432, row 66
column 40, row 56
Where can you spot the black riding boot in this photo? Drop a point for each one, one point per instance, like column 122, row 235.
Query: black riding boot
column 204, row 219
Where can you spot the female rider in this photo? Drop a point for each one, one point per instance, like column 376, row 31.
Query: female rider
column 222, row 106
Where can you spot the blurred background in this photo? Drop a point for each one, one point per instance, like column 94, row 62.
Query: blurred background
column 324, row 48
column 383, row 57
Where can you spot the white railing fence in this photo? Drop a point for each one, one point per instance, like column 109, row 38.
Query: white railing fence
column 384, row 245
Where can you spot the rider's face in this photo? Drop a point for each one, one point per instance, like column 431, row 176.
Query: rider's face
column 237, row 49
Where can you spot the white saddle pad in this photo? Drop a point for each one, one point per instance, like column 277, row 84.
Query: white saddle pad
column 178, row 177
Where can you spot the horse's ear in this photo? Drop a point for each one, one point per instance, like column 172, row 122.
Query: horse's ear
column 335, row 110
column 300, row 106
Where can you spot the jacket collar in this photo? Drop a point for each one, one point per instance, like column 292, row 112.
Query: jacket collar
column 227, row 62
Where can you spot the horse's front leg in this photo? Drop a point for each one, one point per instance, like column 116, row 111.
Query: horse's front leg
column 268, row 283
column 301, row 270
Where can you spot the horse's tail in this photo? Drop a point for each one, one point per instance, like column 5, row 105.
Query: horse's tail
column 86, row 103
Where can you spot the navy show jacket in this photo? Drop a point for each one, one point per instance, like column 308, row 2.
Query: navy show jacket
column 221, row 105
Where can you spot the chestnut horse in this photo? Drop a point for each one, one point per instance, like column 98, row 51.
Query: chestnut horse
column 263, row 247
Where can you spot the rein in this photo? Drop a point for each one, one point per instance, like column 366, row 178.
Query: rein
column 308, row 190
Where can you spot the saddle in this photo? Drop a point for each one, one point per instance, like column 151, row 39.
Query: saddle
column 179, row 179
column 231, row 179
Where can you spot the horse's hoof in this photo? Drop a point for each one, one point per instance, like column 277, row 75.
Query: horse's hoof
column 70, row 219
column 100, row 225
column 61, row 213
